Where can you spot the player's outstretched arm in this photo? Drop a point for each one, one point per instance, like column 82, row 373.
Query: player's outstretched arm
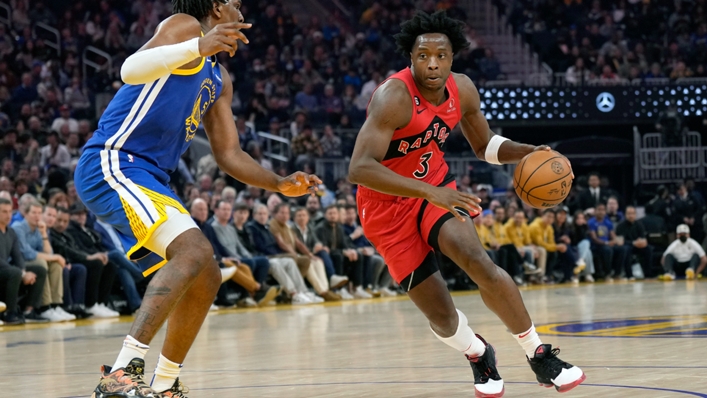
column 487, row 145
column 178, row 44
column 390, row 109
column 225, row 145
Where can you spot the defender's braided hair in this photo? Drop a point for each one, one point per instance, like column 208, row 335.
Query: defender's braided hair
column 423, row 23
column 198, row 9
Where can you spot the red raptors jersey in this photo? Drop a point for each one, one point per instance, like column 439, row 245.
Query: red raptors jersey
column 415, row 151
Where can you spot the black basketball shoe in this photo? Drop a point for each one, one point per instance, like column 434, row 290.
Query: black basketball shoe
column 551, row 371
column 487, row 382
column 127, row 382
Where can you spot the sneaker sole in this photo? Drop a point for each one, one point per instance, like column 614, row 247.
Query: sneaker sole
column 566, row 387
column 480, row 394
column 269, row 296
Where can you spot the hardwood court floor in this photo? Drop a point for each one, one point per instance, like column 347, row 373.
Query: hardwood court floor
column 383, row 348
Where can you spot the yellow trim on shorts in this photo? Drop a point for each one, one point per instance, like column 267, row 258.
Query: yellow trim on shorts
column 154, row 268
column 141, row 231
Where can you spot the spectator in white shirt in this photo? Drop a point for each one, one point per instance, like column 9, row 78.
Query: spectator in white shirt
column 65, row 118
column 54, row 153
column 683, row 253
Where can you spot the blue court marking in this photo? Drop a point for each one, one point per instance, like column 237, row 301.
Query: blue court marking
column 683, row 326
column 359, row 383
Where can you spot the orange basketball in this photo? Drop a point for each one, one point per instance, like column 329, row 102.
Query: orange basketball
column 543, row 179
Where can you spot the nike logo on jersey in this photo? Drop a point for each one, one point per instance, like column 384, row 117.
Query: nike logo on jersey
column 419, row 111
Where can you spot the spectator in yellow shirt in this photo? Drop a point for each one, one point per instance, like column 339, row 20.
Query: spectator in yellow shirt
column 542, row 234
column 518, row 232
column 485, row 236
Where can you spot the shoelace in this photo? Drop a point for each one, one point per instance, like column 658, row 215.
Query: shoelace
column 552, row 362
column 181, row 390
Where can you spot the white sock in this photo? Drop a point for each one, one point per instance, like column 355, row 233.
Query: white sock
column 131, row 349
column 464, row 339
column 529, row 340
column 165, row 374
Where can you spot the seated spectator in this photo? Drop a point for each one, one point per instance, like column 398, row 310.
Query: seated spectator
column 580, row 239
column 101, row 271
column 22, row 204
column 306, row 100
column 518, row 232
column 634, row 236
column 74, row 274
column 251, row 272
column 606, row 247
column 15, row 276
column 314, row 208
column 283, row 269
column 577, row 74
column 594, row 195
column 65, row 118
column 485, row 237
column 303, row 230
column 489, row 66
column 560, row 260
column 289, row 244
column 129, row 274
column 331, row 144
column 510, row 258
column 37, row 252
column 563, row 234
column 55, row 153
column 306, row 147
column 612, row 210
column 342, row 251
column 376, row 275
column 684, row 254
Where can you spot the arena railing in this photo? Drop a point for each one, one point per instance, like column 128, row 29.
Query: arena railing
column 6, row 15
column 656, row 164
column 89, row 63
column 48, row 31
column 269, row 141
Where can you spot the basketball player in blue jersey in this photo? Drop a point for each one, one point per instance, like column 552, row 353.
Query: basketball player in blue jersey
column 173, row 85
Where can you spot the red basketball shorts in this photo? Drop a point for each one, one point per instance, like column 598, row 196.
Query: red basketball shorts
column 403, row 230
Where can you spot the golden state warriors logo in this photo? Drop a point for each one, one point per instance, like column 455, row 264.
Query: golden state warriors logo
column 206, row 97
column 658, row 326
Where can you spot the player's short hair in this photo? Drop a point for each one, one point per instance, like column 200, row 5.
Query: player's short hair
column 198, row 9
column 423, row 23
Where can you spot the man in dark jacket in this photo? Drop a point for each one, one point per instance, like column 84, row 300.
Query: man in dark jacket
column 13, row 274
column 634, row 236
column 342, row 251
column 98, row 273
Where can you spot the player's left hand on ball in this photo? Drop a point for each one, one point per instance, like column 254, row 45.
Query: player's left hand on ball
column 299, row 184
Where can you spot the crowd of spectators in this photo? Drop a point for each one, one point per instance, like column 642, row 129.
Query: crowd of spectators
column 613, row 41
column 57, row 262
column 595, row 234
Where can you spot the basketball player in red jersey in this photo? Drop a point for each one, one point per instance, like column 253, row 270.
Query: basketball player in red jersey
column 410, row 208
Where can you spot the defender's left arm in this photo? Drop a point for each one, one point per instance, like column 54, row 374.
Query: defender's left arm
column 223, row 137
column 487, row 146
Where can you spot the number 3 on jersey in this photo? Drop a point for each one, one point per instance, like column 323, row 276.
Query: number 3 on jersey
column 425, row 163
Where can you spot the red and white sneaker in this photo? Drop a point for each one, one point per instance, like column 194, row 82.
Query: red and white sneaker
column 551, row 371
column 487, row 381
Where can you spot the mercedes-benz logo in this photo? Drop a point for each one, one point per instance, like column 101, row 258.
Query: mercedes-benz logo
column 606, row 102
